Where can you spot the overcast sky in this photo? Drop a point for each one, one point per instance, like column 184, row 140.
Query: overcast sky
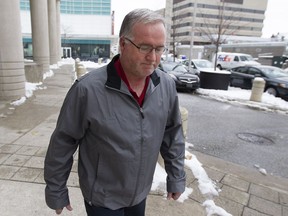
column 276, row 14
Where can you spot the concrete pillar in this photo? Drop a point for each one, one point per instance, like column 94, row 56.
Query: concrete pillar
column 40, row 38
column 12, row 75
column 58, row 12
column 53, row 40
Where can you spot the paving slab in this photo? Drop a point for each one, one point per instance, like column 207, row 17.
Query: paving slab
column 265, row 206
column 159, row 206
column 232, row 207
column 236, row 182
column 252, row 212
column 238, row 196
column 283, row 199
column 264, row 192
column 27, row 199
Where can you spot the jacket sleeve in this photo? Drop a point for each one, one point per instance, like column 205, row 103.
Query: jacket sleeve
column 63, row 143
column 173, row 149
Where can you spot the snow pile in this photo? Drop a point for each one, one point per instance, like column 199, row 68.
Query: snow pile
column 29, row 89
column 90, row 64
column 260, row 169
column 212, row 209
column 242, row 96
column 206, row 186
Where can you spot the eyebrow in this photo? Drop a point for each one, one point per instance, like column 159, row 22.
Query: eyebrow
column 142, row 44
column 146, row 44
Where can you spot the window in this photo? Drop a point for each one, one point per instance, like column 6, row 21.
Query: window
column 241, row 70
column 254, row 71
column 233, row 1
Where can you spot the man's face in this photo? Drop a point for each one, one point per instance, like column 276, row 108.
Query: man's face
column 135, row 63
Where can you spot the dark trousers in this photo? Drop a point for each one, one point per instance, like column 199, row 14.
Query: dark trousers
column 137, row 210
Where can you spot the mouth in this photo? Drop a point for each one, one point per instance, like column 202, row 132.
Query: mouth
column 149, row 68
column 151, row 65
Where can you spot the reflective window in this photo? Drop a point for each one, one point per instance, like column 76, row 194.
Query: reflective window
column 94, row 7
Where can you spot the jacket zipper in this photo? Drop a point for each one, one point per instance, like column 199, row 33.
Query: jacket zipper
column 140, row 108
column 141, row 157
column 141, row 112
column 141, row 141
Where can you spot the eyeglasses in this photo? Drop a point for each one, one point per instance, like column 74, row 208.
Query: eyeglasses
column 146, row 49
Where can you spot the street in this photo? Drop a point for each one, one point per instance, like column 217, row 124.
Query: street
column 237, row 133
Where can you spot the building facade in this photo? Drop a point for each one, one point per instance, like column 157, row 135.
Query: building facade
column 44, row 24
column 86, row 28
column 206, row 18
column 49, row 30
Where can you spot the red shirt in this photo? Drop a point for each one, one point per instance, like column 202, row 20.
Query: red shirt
column 122, row 75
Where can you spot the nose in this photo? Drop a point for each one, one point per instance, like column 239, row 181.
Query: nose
column 152, row 55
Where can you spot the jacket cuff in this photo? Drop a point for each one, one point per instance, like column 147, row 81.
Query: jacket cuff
column 55, row 202
column 176, row 186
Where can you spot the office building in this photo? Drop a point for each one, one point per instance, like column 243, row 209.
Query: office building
column 203, row 18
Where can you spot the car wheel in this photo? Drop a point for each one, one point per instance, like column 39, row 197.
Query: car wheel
column 272, row 91
column 219, row 67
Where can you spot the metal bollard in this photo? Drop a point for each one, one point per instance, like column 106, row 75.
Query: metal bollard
column 81, row 70
column 257, row 89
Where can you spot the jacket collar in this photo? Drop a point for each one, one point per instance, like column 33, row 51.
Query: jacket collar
column 114, row 80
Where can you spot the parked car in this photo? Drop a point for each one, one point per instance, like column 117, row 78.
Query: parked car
column 183, row 79
column 276, row 79
column 199, row 65
column 226, row 60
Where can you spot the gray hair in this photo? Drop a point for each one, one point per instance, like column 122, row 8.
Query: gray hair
column 143, row 15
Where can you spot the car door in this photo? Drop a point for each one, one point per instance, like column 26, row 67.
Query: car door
column 240, row 77
column 253, row 73
column 234, row 62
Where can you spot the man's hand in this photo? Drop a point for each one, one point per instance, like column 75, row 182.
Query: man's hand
column 173, row 196
column 59, row 211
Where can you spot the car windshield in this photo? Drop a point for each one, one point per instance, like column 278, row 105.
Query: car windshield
column 173, row 67
column 274, row 72
column 246, row 58
column 203, row 64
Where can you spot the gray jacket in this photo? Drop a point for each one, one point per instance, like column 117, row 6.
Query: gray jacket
column 118, row 140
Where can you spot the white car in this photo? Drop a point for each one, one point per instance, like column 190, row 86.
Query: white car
column 226, row 60
column 199, row 65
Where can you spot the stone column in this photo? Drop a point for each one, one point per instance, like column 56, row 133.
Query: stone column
column 40, row 35
column 53, row 40
column 58, row 12
column 12, row 75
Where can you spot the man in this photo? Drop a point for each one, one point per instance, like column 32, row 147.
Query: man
column 120, row 116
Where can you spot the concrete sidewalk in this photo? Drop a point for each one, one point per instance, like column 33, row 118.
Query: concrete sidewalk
column 25, row 133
